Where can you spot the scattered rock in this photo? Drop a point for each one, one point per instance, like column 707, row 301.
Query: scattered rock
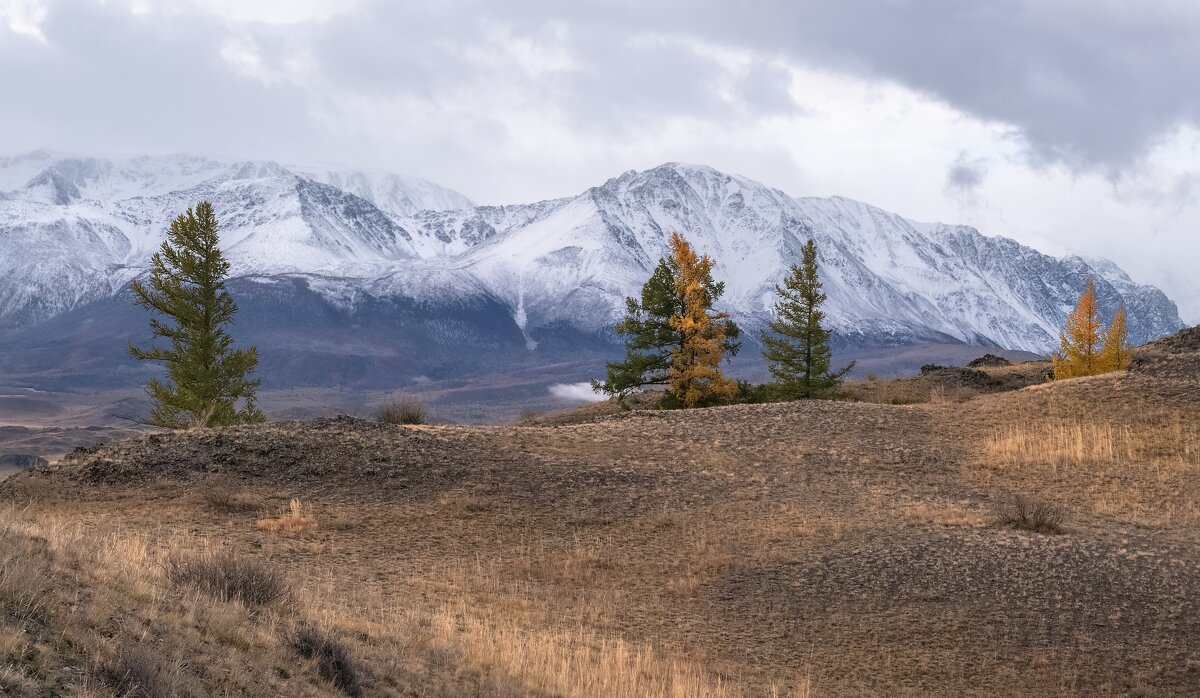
column 1184, row 342
column 21, row 460
column 989, row 360
column 954, row 375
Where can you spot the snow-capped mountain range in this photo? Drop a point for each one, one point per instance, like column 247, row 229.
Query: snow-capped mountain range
column 76, row 230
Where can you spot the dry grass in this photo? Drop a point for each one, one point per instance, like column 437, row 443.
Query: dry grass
column 135, row 670
column 405, row 410
column 297, row 519
column 1025, row 514
column 331, row 658
column 24, row 579
column 1168, row 440
column 88, row 611
column 572, row 661
column 1093, row 445
column 950, row 515
column 229, row 577
column 726, row 561
column 575, row 663
column 163, row 637
column 224, row 500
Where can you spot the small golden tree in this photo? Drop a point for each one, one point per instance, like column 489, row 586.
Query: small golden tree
column 1114, row 346
column 694, row 376
column 1079, row 354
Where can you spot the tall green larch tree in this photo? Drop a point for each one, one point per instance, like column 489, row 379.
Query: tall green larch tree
column 797, row 346
column 208, row 382
column 649, row 338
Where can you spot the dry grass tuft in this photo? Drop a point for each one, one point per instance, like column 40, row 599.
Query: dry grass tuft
column 229, row 577
column 297, row 519
column 331, row 657
column 135, row 672
column 939, row 514
column 224, row 500
column 24, row 580
column 405, row 410
column 460, row 504
column 1025, row 514
column 575, row 663
column 1162, row 439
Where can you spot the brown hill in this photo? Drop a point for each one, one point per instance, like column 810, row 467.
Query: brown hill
column 824, row 548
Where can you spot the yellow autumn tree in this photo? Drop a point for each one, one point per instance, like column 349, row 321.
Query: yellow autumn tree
column 1114, row 345
column 1079, row 354
column 695, row 376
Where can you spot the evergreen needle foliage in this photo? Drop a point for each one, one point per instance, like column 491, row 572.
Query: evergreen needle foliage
column 206, row 377
column 651, row 338
column 797, row 347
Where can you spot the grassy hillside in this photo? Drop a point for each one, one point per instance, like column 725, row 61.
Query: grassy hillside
column 818, row 548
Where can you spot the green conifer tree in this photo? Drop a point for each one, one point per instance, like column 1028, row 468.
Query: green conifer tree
column 797, row 347
column 206, row 377
column 650, row 339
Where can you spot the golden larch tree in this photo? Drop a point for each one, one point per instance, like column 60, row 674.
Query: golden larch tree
column 695, row 376
column 1079, row 354
column 1114, row 346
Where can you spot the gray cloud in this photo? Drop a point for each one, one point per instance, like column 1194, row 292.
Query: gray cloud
column 965, row 176
column 107, row 83
column 1089, row 84
column 524, row 99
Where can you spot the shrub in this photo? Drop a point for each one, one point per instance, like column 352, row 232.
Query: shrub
column 136, row 673
column 294, row 520
column 1026, row 514
column 331, row 658
column 222, row 499
column 228, row 576
column 407, row 410
column 750, row 393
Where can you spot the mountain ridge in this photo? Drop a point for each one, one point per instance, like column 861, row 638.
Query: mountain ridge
column 554, row 269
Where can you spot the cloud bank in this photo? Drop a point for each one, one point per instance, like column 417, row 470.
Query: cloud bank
column 1066, row 124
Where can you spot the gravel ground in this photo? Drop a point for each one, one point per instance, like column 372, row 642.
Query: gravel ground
column 853, row 544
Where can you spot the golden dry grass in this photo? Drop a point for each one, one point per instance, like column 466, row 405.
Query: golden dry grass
column 448, row 646
column 297, row 519
column 942, row 514
column 1117, row 447
column 815, row 549
column 1167, row 439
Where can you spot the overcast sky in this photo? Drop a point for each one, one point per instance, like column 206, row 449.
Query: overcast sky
column 1070, row 126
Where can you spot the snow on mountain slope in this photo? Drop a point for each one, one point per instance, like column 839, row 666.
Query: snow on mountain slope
column 61, row 179
column 888, row 279
column 399, row 196
column 73, row 229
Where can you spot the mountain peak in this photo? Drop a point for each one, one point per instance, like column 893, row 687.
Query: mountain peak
column 561, row 263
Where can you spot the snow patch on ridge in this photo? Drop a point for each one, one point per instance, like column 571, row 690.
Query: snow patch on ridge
column 567, row 262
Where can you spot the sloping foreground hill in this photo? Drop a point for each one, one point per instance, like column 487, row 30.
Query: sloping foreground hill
column 823, row 548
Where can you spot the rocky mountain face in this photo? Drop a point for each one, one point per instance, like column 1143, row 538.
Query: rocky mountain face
column 416, row 267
